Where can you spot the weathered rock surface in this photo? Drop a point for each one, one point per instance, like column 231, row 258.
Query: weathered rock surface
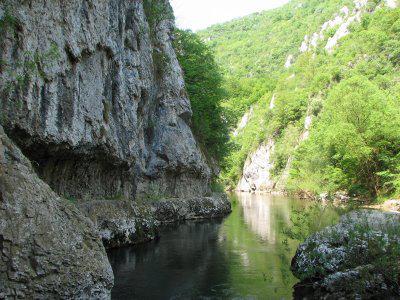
column 123, row 223
column 48, row 249
column 257, row 170
column 358, row 258
column 92, row 92
column 173, row 210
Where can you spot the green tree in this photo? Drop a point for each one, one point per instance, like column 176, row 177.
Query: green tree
column 204, row 85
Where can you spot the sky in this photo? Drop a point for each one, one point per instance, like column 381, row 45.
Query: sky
column 199, row 14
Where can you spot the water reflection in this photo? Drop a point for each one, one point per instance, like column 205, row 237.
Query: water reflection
column 262, row 216
column 243, row 256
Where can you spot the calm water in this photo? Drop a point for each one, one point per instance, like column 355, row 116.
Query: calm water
column 244, row 256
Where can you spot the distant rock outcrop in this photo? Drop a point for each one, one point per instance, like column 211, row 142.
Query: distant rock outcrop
column 257, row 170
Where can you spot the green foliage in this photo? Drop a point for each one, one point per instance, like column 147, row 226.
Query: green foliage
column 7, row 22
column 156, row 11
column 217, row 186
column 204, row 85
column 117, row 197
column 71, row 199
column 258, row 45
column 352, row 96
column 355, row 143
column 307, row 220
column 252, row 52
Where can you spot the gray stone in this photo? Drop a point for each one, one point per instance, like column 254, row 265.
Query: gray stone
column 173, row 210
column 48, row 249
column 257, row 170
column 123, row 223
column 92, row 94
column 102, row 109
column 356, row 258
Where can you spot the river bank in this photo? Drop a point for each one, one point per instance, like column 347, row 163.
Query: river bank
column 125, row 223
column 245, row 255
column 358, row 258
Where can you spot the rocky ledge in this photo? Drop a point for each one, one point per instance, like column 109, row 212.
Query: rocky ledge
column 123, row 223
column 48, row 248
column 358, row 258
column 51, row 248
column 93, row 106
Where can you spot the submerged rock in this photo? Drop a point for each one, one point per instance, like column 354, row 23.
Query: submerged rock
column 357, row 258
column 48, row 249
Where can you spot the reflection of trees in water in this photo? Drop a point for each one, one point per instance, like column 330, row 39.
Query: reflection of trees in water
column 253, row 241
column 248, row 255
column 186, row 262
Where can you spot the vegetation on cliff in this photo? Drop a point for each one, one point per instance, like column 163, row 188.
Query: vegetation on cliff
column 350, row 93
column 203, row 80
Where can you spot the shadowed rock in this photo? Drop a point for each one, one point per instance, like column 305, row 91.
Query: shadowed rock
column 48, row 249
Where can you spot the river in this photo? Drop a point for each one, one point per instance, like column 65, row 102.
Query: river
column 244, row 256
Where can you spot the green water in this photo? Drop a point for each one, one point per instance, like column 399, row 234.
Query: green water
column 244, row 256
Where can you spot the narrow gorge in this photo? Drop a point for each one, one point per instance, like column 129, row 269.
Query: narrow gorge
column 95, row 126
column 255, row 157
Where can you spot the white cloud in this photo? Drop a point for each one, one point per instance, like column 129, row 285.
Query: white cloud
column 199, row 14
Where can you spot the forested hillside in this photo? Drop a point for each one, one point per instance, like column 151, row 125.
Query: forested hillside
column 316, row 85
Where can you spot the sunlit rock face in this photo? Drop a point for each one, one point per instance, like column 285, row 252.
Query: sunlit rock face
column 305, row 134
column 93, row 93
column 243, row 122
column 257, row 170
column 289, row 61
column 272, row 102
column 391, row 3
column 342, row 20
column 357, row 258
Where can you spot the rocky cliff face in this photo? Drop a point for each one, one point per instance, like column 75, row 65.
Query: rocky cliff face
column 257, row 170
column 48, row 249
column 93, row 94
column 94, row 109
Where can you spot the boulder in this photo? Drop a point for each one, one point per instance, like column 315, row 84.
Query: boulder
column 357, row 258
column 121, row 223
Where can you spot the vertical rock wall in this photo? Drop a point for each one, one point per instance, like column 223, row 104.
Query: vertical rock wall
column 93, row 94
column 94, row 107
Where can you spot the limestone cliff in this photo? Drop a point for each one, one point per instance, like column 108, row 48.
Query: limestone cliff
column 260, row 165
column 93, row 94
column 94, row 110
